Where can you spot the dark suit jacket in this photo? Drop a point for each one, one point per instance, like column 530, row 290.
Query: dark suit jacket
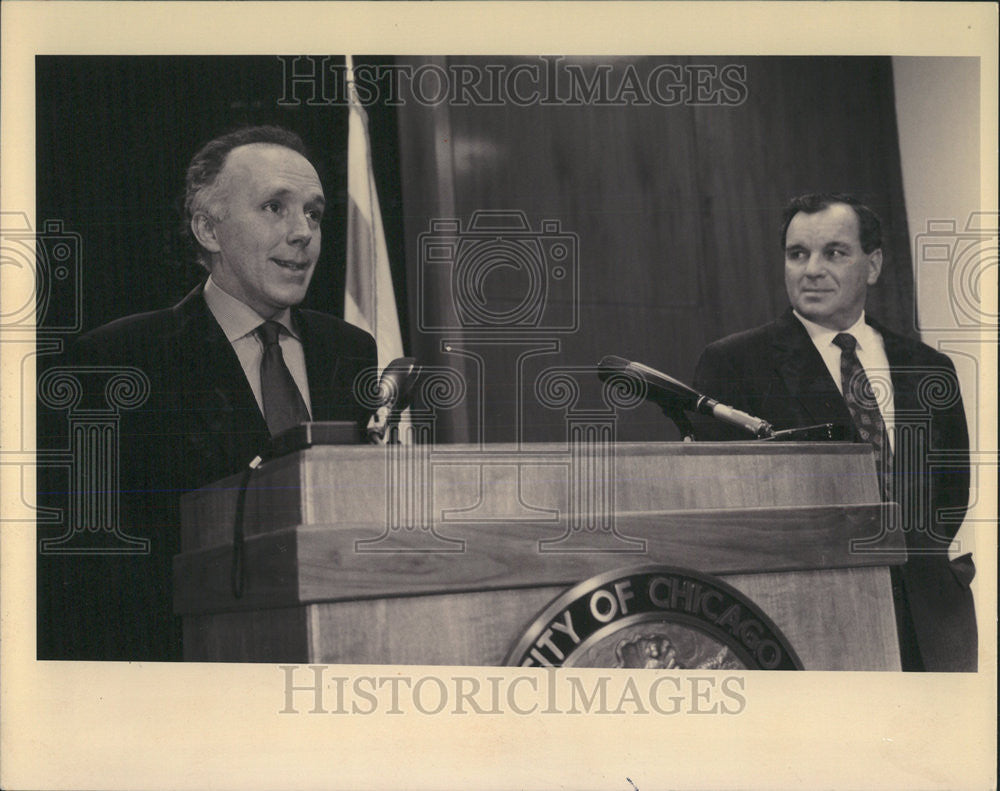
column 200, row 423
column 776, row 373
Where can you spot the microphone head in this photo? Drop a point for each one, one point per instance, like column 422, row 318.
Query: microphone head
column 397, row 383
column 661, row 389
column 395, row 390
column 610, row 364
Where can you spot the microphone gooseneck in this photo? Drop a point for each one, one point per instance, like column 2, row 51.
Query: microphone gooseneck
column 671, row 394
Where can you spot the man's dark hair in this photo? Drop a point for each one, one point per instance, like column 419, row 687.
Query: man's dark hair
column 208, row 163
column 869, row 224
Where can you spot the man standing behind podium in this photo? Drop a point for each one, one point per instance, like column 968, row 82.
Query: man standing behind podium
column 814, row 365
column 234, row 363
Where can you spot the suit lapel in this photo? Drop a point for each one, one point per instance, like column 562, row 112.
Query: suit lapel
column 322, row 363
column 805, row 375
column 905, row 378
column 214, row 373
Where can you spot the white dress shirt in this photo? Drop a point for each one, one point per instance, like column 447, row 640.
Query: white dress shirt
column 871, row 355
column 239, row 322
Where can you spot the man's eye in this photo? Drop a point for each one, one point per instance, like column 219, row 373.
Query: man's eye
column 314, row 215
column 272, row 206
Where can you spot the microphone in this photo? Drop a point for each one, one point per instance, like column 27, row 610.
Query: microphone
column 395, row 391
column 670, row 394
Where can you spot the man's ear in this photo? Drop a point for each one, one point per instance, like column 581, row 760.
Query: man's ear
column 874, row 266
column 203, row 228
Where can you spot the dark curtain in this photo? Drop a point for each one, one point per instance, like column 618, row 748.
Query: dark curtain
column 115, row 135
column 675, row 211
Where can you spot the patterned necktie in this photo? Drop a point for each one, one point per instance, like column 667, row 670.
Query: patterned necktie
column 863, row 406
column 283, row 403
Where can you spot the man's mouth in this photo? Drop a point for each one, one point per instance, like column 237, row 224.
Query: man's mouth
column 293, row 265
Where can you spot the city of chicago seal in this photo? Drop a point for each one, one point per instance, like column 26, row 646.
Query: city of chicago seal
column 654, row 617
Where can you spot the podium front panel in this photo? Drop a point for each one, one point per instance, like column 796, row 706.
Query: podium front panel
column 343, row 563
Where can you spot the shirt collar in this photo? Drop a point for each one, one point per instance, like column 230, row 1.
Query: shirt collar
column 823, row 336
column 236, row 318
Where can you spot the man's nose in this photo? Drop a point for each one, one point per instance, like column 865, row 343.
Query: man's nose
column 300, row 231
column 814, row 266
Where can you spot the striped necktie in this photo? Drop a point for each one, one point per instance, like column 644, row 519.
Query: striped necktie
column 863, row 406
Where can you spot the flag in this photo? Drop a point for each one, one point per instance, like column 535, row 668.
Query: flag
column 369, row 301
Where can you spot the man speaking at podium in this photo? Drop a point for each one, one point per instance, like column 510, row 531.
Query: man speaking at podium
column 234, row 363
column 814, row 365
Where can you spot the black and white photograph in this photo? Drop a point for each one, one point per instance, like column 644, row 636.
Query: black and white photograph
column 403, row 407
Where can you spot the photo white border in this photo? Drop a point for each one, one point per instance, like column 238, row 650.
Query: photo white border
column 180, row 726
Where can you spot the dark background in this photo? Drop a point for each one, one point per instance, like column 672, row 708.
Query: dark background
column 674, row 210
column 115, row 136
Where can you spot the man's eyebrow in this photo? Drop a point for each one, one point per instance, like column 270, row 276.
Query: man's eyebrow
column 284, row 192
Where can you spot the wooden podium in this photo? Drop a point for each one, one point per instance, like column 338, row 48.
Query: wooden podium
column 419, row 554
